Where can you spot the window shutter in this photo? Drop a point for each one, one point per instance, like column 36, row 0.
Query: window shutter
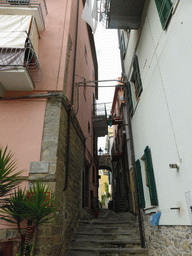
column 150, row 175
column 123, row 50
column 129, row 99
column 137, row 76
column 139, row 184
column 164, row 8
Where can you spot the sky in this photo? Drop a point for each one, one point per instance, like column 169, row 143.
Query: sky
column 109, row 65
column 108, row 57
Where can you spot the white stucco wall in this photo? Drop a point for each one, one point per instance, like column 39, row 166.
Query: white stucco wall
column 163, row 115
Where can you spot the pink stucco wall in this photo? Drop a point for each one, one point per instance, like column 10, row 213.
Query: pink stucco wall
column 21, row 129
column 53, row 45
column 22, row 121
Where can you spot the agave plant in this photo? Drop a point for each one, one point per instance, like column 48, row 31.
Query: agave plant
column 40, row 209
column 8, row 178
column 14, row 208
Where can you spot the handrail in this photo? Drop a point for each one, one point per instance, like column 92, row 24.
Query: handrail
column 11, row 58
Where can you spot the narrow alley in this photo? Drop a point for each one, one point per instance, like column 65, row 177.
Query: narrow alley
column 111, row 234
column 66, row 87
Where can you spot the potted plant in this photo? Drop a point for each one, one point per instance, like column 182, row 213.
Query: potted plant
column 33, row 206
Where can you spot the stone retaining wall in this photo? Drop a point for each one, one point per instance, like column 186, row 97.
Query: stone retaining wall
column 168, row 240
column 55, row 238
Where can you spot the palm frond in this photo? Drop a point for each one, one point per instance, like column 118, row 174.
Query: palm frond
column 39, row 204
column 8, row 179
column 14, row 207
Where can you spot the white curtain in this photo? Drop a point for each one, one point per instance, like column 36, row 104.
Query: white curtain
column 90, row 14
column 14, row 30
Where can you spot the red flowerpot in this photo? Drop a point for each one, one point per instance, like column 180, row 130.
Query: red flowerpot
column 96, row 212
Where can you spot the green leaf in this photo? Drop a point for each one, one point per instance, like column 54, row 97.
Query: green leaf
column 40, row 207
column 8, row 178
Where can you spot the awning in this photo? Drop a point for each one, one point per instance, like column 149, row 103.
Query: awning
column 14, row 30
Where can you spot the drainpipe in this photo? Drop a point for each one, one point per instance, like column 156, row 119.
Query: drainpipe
column 129, row 136
column 70, row 106
column 68, row 147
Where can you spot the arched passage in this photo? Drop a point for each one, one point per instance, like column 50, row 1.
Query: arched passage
column 105, row 162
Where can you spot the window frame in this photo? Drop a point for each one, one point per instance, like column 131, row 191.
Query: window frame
column 164, row 12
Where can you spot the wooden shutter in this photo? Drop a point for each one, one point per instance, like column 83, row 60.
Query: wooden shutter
column 139, row 184
column 129, row 99
column 150, row 175
column 122, row 46
column 137, row 77
column 164, row 8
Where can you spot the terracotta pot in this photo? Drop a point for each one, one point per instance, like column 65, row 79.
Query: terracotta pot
column 96, row 212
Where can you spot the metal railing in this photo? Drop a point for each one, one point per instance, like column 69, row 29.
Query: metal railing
column 101, row 109
column 104, row 12
column 14, row 58
column 18, row 1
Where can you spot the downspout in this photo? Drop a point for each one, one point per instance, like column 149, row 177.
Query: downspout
column 70, row 106
column 130, row 136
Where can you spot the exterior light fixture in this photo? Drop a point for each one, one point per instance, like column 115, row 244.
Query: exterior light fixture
column 174, row 166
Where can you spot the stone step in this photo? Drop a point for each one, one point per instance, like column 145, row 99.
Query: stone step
column 107, row 252
column 111, row 236
column 82, row 243
column 105, row 223
column 101, row 229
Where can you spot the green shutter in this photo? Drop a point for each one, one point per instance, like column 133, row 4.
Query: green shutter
column 123, row 50
column 150, row 175
column 129, row 99
column 164, row 8
column 139, row 184
column 137, row 76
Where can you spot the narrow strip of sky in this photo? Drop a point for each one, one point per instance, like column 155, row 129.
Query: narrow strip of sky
column 108, row 56
column 109, row 65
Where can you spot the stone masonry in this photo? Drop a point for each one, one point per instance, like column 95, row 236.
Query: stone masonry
column 54, row 238
column 168, row 240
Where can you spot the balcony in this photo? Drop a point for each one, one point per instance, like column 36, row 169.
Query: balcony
column 19, row 65
column 122, row 14
column 100, row 119
column 115, row 154
column 35, row 8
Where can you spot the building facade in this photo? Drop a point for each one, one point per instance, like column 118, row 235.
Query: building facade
column 47, row 56
column 156, row 62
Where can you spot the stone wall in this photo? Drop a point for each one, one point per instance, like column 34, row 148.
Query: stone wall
column 168, row 240
column 54, row 238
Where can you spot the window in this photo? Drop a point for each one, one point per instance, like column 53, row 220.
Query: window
column 122, row 45
column 145, row 168
column 93, row 174
column 139, row 184
column 86, row 54
column 136, row 78
column 164, row 8
column 129, row 99
column 145, row 180
column 89, row 127
column 150, row 176
column 84, row 90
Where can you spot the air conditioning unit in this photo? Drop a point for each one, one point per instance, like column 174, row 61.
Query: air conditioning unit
column 18, row 1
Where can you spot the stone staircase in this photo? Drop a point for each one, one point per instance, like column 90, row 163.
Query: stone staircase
column 121, row 204
column 112, row 234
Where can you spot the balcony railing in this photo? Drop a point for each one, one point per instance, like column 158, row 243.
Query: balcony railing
column 19, row 65
column 19, row 68
column 121, row 14
column 102, row 109
column 100, row 119
column 36, row 8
